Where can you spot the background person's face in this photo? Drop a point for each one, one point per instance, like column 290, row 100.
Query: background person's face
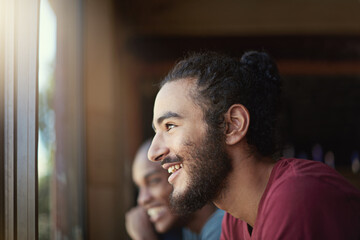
column 154, row 191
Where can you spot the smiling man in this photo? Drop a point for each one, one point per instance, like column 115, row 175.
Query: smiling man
column 215, row 124
column 153, row 212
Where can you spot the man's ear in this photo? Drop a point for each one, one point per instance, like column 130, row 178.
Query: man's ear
column 237, row 120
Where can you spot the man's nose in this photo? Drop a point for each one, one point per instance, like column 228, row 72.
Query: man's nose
column 144, row 197
column 158, row 149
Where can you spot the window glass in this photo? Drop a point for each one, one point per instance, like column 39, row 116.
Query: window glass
column 46, row 120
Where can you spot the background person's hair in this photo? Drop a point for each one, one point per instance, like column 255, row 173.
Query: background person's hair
column 222, row 81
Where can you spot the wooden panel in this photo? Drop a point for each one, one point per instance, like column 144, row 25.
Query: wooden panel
column 2, row 120
column 68, row 187
column 18, row 60
column 26, row 48
column 105, row 226
column 319, row 68
column 7, row 43
column 299, row 47
column 229, row 17
column 113, row 129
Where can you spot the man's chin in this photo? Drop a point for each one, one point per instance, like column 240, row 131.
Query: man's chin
column 185, row 203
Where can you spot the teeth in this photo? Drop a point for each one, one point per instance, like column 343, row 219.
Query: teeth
column 173, row 168
column 152, row 212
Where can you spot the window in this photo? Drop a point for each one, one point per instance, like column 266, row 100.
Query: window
column 18, row 100
column 46, row 118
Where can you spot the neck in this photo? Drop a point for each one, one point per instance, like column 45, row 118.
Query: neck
column 198, row 219
column 245, row 186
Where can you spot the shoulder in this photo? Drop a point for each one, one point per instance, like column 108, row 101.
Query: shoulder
column 232, row 228
column 298, row 179
column 173, row 234
column 308, row 197
column 310, row 184
column 212, row 228
column 216, row 218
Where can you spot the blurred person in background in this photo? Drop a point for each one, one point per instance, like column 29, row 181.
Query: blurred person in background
column 153, row 219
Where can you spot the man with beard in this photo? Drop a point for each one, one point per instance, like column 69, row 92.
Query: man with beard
column 152, row 218
column 215, row 133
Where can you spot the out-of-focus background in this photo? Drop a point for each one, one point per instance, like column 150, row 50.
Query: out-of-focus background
column 98, row 65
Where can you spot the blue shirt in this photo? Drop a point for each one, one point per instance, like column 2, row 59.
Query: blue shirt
column 210, row 231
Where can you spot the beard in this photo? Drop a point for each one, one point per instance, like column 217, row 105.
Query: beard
column 208, row 165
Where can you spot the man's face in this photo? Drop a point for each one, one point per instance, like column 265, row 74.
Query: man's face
column 154, row 191
column 192, row 153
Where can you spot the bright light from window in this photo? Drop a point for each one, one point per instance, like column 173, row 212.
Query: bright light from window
column 47, row 53
column 46, row 144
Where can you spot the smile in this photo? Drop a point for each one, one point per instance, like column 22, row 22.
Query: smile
column 174, row 168
column 156, row 213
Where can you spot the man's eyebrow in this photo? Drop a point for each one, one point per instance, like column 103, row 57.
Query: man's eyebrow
column 166, row 116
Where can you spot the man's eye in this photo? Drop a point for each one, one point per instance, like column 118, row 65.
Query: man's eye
column 170, row 126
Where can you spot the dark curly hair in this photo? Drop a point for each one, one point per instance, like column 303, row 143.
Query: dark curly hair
column 222, row 81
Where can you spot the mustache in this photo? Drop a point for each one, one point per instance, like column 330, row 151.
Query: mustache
column 171, row 160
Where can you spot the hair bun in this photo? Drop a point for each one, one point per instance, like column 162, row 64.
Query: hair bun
column 262, row 64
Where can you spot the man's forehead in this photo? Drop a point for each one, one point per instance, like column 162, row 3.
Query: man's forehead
column 174, row 97
column 180, row 86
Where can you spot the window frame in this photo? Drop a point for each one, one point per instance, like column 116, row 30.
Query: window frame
column 18, row 103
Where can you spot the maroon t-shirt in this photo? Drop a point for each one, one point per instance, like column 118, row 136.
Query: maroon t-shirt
column 303, row 200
